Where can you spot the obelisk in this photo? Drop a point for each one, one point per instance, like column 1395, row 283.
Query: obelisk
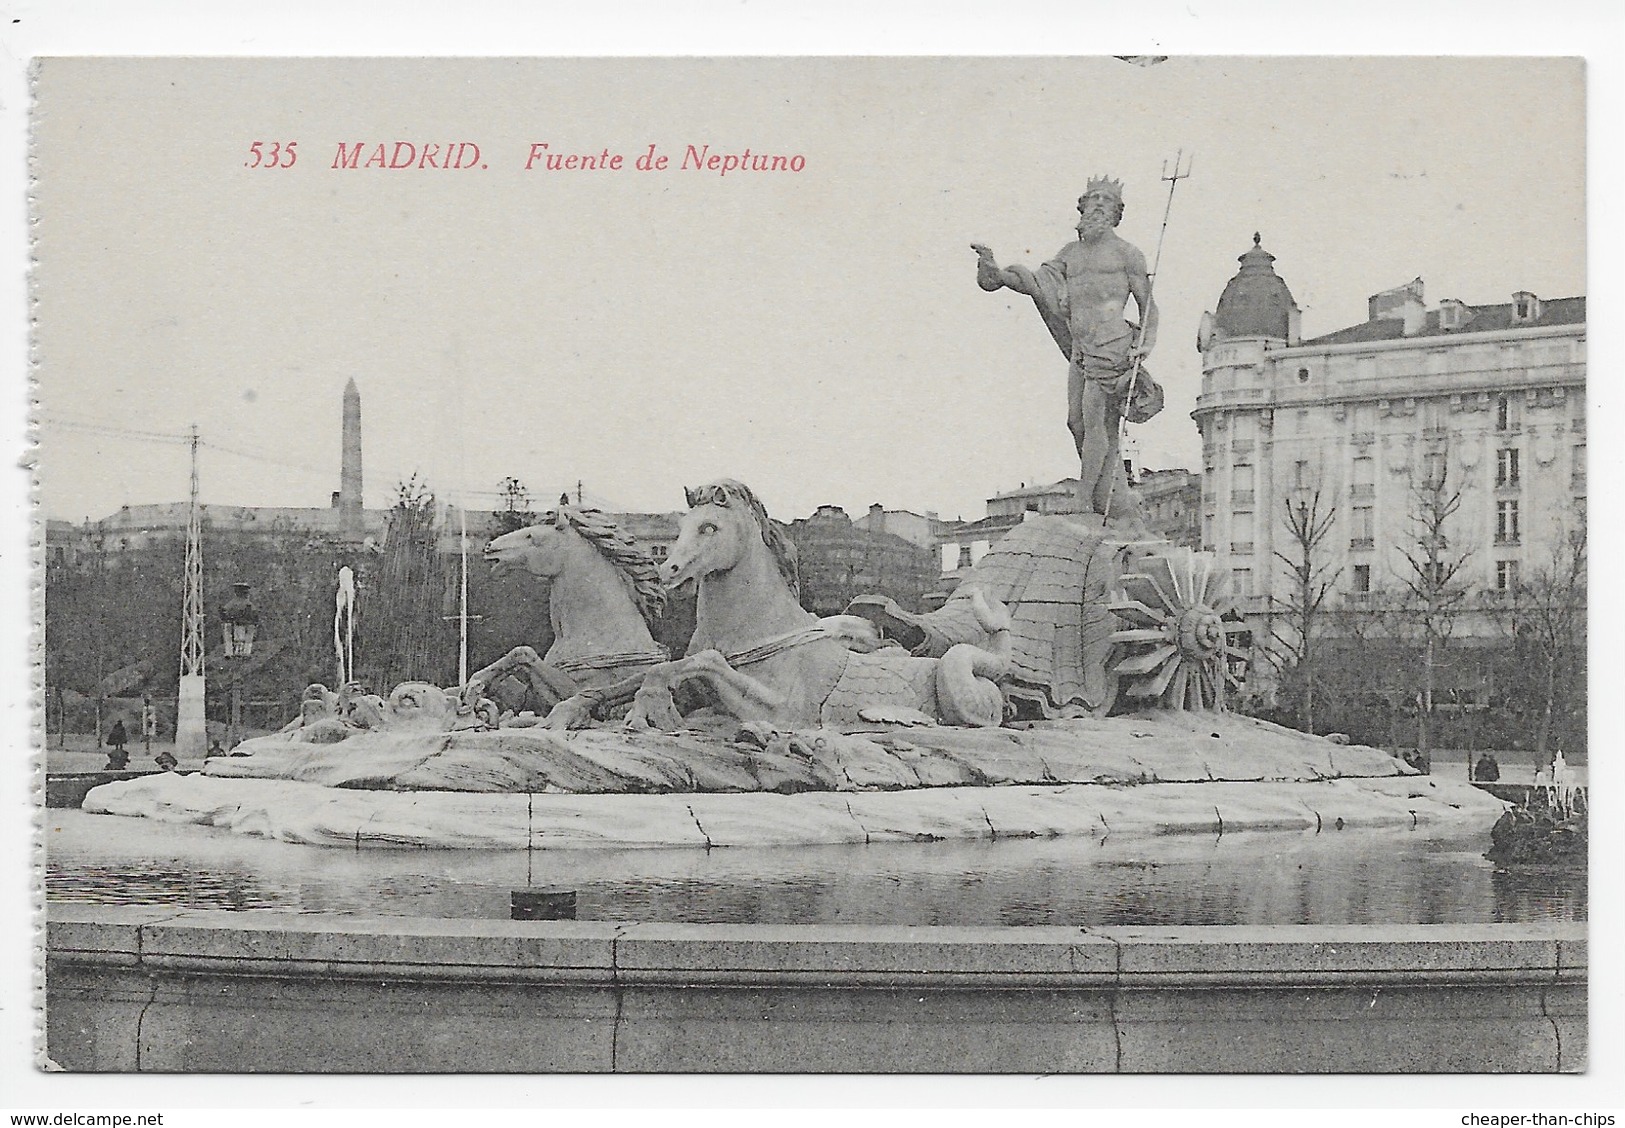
column 351, row 525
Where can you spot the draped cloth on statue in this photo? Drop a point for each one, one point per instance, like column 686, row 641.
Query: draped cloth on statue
column 1104, row 360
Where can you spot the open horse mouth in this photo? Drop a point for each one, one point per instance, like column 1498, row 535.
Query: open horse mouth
column 674, row 575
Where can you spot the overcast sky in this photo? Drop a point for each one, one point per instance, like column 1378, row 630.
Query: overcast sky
column 818, row 335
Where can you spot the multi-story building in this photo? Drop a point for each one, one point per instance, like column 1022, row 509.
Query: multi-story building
column 1168, row 498
column 1172, row 503
column 839, row 561
column 1487, row 400
column 917, row 528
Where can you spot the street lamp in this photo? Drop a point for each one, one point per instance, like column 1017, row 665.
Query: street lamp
column 239, row 622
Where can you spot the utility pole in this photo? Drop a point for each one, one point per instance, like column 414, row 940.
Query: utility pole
column 191, row 727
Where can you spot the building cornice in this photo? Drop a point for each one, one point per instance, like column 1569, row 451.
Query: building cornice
column 1484, row 381
column 1430, row 341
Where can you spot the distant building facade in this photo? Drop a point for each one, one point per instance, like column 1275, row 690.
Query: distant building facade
column 840, row 560
column 921, row 529
column 1172, row 503
column 1170, row 500
column 1488, row 398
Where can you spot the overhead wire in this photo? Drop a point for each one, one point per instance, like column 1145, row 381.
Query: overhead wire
column 543, row 498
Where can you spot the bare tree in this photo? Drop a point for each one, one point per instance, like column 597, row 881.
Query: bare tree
column 1294, row 633
column 1544, row 617
column 1433, row 587
column 516, row 511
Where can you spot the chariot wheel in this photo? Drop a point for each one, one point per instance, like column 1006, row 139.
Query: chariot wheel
column 1176, row 650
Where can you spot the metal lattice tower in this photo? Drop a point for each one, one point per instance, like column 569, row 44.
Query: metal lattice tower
column 192, row 607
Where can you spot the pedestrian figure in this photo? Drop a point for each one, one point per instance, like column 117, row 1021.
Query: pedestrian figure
column 166, row 760
column 117, row 737
column 1487, row 770
column 214, row 749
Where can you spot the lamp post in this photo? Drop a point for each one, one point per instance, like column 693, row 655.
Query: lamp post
column 239, row 622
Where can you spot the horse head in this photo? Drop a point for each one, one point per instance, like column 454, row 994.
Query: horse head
column 538, row 549
column 725, row 522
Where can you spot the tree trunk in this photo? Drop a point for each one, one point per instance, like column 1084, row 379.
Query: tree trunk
column 1309, row 701
column 1543, row 732
column 1425, row 713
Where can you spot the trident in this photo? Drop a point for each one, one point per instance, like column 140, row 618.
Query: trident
column 1172, row 181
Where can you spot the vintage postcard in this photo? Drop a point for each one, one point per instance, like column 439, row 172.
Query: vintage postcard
column 937, row 565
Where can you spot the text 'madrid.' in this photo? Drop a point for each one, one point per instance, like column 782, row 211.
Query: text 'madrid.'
column 541, row 157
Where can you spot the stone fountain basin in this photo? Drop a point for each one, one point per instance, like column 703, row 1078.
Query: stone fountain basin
column 1150, row 774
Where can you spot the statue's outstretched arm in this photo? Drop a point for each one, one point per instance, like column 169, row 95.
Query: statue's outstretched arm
column 990, row 276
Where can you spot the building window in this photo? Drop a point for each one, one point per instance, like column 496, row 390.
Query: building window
column 1433, row 469
column 1503, row 413
column 1506, row 522
column 1433, row 572
column 1365, row 524
column 657, row 551
column 1300, row 474
column 1303, row 375
column 1577, row 469
column 964, row 556
column 1506, row 575
column 1365, row 476
column 1243, row 579
column 1506, row 467
column 1241, row 534
column 1362, row 578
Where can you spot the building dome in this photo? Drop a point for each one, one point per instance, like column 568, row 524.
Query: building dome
column 1256, row 302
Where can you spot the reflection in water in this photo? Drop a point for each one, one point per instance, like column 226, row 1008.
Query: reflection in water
column 1552, row 894
column 1345, row 877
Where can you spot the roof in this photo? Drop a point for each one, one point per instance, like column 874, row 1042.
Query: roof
column 1035, row 490
column 976, row 530
column 1256, row 302
column 1478, row 319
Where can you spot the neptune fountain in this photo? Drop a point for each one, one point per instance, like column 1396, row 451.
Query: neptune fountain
column 1074, row 684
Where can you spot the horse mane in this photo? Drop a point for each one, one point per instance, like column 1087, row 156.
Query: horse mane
column 773, row 535
column 620, row 550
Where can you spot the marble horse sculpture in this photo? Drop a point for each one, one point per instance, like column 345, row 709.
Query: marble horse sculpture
column 767, row 660
column 605, row 594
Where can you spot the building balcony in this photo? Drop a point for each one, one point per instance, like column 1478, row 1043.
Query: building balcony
column 1241, row 548
column 1239, row 498
column 1507, row 538
column 1363, row 438
column 1362, row 543
column 1363, row 489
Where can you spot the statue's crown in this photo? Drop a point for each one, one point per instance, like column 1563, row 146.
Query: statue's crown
column 1106, row 184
